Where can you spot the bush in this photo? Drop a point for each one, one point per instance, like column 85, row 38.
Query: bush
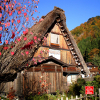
column 38, row 97
column 81, row 81
column 95, row 83
column 11, row 94
column 75, row 88
column 44, row 97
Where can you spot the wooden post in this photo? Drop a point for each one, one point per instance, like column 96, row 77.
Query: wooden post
column 86, row 96
column 66, row 98
column 81, row 96
column 23, row 82
column 76, row 96
column 99, row 93
column 95, row 95
column 61, row 98
column 63, row 94
column 19, row 84
column 71, row 97
column 62, row 77
column 55, row 78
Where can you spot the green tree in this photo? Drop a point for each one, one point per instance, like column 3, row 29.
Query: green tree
column 96, row 60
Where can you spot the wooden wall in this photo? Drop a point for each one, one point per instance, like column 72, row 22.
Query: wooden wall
column 65, row 54
column 51, row 76
column 52, row 81
column 8, row 85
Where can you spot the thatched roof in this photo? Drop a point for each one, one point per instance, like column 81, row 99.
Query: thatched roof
column 10, row 63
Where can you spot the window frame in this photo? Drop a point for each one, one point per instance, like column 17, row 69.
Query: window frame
column 52, row 41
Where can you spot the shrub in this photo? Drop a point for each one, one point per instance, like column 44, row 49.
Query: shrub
column 74, row 89
column 81, row 81
column 11, row 94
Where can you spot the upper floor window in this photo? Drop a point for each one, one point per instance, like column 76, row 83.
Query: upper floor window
column 54, row 39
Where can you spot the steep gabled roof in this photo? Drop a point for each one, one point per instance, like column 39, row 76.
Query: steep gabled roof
column 40, row 30
column 90, row 64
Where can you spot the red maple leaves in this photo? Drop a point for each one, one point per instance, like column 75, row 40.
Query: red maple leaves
column 19, row 12
column 18, row 21
column 13, row 35
column 28, row 45
column 14, row 15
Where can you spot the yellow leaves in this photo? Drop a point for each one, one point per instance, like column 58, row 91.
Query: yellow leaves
column 87, row 29
column 93, row 52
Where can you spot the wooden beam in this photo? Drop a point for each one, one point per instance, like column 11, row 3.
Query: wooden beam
column 62, row 78
column 55, row 78
column 50, row 47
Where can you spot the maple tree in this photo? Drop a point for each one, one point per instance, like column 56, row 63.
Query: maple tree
column 16, row 18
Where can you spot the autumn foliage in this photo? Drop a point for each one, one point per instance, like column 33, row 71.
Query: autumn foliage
column 11, row 94
column 87, row 29
column 93, row 52
column 87, row 36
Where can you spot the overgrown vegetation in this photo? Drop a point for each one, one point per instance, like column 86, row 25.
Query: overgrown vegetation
column 79, row 87
column 76, row 87
column 47, row 96
column 87, row 36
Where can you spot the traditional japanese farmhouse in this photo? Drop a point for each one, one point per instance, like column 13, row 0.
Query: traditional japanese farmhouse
column 58, row 60
column 93, row 68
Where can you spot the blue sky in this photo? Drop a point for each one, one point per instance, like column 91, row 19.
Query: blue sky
column 76, row 11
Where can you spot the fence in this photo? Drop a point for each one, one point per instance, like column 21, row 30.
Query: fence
column 63, row 97
column 81, row 97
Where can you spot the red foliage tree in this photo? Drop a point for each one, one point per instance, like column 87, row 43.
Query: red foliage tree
column 16, row 17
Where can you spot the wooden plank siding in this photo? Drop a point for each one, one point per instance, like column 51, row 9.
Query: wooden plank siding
column 65, row 54
column 56, row 30
column 63, row 43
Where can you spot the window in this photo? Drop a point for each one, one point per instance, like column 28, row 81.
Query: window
column 74, row 77
column 54, row 38
column 54, row 53
column 69, row 79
